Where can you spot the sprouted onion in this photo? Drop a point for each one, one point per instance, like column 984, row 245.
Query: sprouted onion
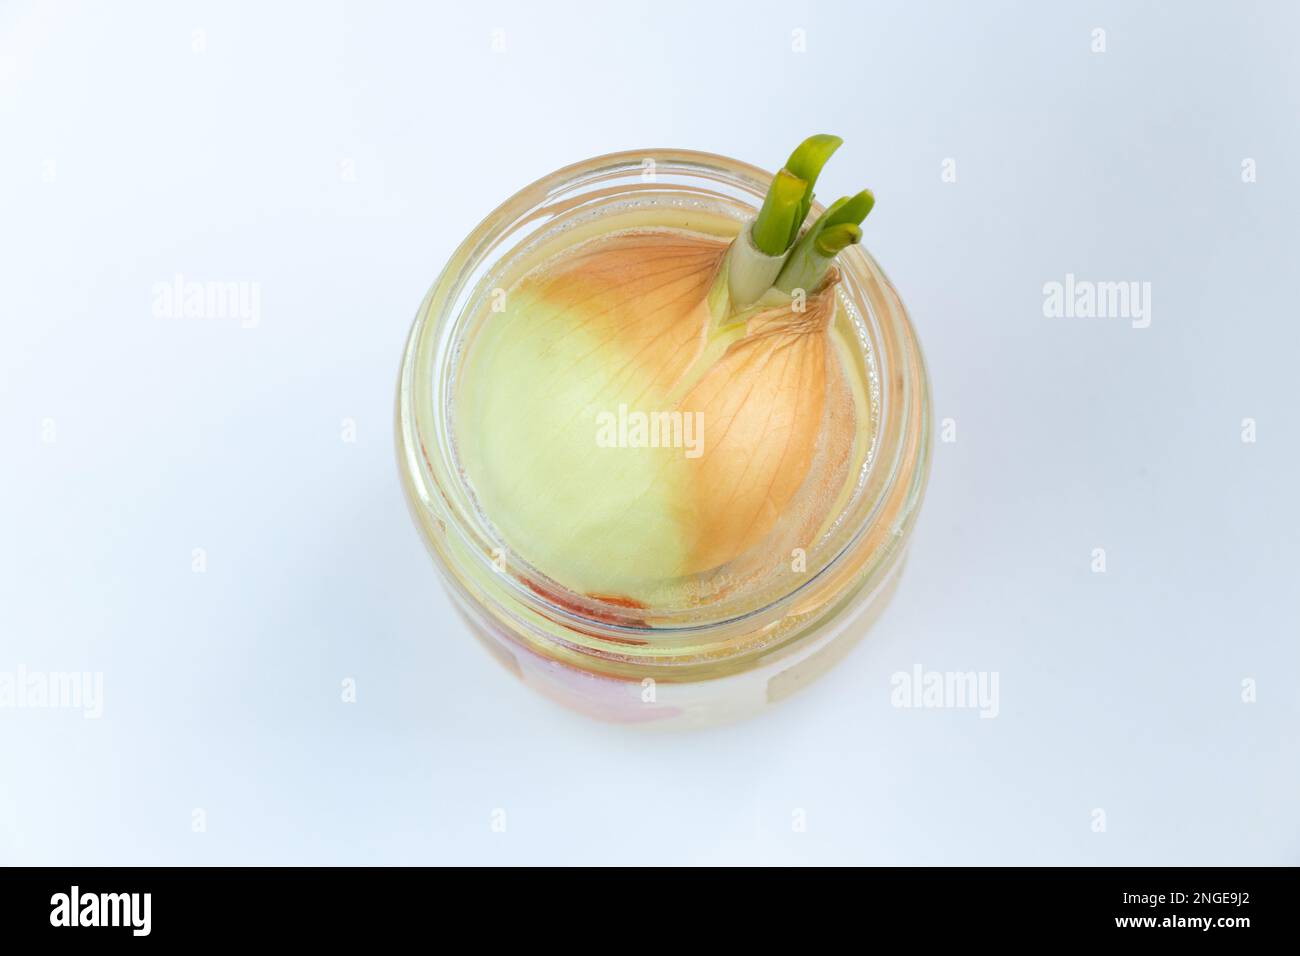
column 658, row 407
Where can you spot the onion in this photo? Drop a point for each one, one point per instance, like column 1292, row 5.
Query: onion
column 655, row 413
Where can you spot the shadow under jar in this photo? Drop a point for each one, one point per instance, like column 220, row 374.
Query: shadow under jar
column 711, row 644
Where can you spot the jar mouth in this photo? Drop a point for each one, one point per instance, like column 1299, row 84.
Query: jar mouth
column 864, row 540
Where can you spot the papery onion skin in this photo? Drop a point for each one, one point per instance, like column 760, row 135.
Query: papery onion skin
column 763, row 404
column 618, row 321
column 624, row 320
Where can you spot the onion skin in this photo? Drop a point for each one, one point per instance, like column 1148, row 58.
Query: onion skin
column 624, row 320
column 763, row 404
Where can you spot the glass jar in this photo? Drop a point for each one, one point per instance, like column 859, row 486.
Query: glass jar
column 622, row 664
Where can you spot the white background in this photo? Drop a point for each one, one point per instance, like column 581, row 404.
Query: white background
column 336, row 154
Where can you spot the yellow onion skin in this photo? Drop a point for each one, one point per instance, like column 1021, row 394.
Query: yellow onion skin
column 624, row 320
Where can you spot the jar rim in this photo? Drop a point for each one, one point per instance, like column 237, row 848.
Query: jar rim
column 437, row 491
